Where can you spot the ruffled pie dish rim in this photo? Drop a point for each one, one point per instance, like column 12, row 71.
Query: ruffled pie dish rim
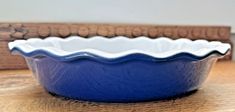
column 21, row 47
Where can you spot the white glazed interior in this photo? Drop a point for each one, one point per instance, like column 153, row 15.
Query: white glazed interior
column 120, row 46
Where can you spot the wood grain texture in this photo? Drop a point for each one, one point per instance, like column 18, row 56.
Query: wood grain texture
column 19, row 92
column 14, row 31
column 8, row 61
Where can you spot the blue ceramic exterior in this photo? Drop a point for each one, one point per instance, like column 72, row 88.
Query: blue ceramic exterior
column 136, row 77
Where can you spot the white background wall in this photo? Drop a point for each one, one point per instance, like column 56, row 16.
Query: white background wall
column 195, row 12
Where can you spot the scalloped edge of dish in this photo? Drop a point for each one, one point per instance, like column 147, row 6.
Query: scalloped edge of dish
column 19, row 47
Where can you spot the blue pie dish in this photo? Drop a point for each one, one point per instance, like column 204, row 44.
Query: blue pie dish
column 119, row 69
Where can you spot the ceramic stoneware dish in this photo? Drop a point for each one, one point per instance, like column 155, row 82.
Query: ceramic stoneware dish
column 119, row 69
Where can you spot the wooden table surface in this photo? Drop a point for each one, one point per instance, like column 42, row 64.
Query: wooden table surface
column 19, row 92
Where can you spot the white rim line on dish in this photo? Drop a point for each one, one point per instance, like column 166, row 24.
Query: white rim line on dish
column 119, row 46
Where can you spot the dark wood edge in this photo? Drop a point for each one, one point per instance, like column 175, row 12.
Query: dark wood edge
column 12, row 31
